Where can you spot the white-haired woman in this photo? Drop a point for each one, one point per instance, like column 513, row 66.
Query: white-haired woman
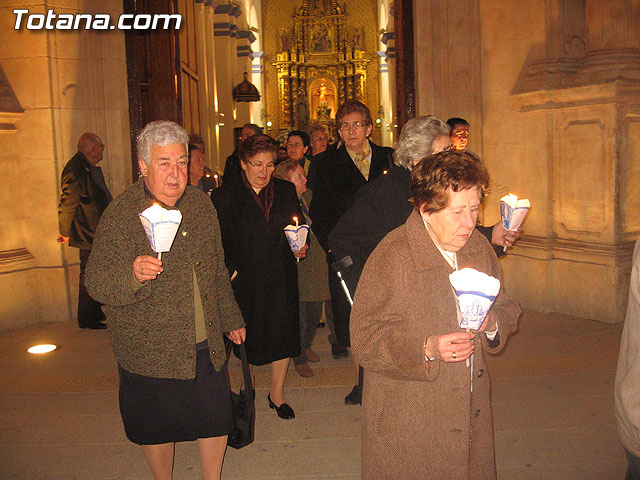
column 167, row 318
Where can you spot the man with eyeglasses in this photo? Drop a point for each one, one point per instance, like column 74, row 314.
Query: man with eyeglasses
column 84, row 197
column 339, row 174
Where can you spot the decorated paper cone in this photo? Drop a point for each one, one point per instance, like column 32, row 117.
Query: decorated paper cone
column 475, row 292
column 513, row 210
column 296, row 236
column 161, row 226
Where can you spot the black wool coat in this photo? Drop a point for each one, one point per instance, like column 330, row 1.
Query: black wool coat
column 266, row 285
column 337, row 180
column 380, row 206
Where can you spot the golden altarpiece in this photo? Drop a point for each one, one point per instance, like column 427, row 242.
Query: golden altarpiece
column 320, row 64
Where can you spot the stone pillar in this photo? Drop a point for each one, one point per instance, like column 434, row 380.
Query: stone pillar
column 67, row 82
column 590, row 117
column 448, row 62
column 613, row 39
column 225, row 48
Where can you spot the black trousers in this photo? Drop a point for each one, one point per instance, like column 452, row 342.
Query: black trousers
column 89, row 311
column 341, row 309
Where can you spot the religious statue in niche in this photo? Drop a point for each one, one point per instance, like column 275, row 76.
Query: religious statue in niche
column 320, row 39
column 323, row 99
column 283, row 40
column 358, row 38
column 302, row 110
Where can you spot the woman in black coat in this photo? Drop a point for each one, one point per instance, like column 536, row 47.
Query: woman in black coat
column 253, row 211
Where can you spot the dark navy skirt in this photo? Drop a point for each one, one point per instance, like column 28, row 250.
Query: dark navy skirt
column 163, row 410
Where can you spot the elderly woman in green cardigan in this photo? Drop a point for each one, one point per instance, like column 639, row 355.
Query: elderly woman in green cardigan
column 167, row 318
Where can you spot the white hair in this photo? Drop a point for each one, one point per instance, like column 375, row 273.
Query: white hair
column 416, row 140
column 161, row 133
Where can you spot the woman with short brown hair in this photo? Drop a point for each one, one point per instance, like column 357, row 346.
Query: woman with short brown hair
column 427, row 413
column 253, row 210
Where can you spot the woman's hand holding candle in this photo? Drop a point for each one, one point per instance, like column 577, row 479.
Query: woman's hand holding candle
column 302, row 252
column 450, row 347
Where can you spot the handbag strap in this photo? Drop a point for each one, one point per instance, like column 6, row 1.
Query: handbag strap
column 248, row 385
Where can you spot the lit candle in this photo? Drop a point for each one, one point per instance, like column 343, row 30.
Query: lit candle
column 295, row 219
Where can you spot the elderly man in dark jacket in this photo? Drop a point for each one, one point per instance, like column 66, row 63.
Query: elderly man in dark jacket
column 339, row 174
column 84, row 197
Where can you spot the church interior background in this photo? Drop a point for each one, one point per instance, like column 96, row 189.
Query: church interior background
column 551, row 90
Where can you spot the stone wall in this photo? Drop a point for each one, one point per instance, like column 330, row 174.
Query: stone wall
column 66, row 83
column 553, row 96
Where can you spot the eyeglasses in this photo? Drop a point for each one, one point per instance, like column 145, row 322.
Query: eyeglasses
column 351, row 126
column 296, row 145
column 260, row 166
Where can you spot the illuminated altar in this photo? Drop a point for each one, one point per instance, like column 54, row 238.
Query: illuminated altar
column 320, row 64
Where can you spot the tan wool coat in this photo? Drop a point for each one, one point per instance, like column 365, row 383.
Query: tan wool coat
column 627, row 384
column 420, row 419
column 313, row 279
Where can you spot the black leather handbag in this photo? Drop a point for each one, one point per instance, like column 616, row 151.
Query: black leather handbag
column 243, row 408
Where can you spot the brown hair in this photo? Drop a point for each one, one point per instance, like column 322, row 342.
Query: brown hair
column 285, row 167
column 256, row 144
column 451, row 169
column 353, row 106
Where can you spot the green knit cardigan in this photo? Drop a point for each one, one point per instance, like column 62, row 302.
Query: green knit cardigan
column 152, row 326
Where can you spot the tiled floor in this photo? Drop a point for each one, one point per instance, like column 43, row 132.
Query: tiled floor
column 552, row 402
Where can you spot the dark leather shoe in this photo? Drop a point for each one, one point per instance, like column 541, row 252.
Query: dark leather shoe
column 95, row 326
column 338, row 352
column 355, row 397
column 283, row 411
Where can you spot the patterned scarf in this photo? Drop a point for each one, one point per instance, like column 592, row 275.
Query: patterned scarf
column 264, row 199
column 361, row 160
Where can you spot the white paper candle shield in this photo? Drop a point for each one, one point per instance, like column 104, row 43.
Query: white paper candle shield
column 513, row 210
column 475, row 292
column 297, row 236
column 161, row 226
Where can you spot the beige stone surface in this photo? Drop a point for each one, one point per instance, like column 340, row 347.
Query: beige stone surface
column 552, row 401
column 556, row 123
column 67, row 83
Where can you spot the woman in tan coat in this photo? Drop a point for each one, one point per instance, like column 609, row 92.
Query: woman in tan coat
column 427, row 414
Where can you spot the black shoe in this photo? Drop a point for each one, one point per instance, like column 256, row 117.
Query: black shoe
column 95, row 326
column 355, row 397
column 338, row 351
column 283, row 411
